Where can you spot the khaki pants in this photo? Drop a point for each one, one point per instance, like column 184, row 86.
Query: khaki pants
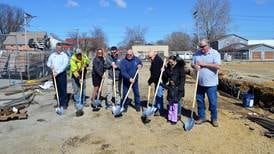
column 110, row 91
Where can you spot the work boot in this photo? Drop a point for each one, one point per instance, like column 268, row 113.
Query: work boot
column 138, row 109
column 215, row 123
column 108, row 105
column 200, row 121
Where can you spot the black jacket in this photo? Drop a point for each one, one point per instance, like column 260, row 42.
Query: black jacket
column 175, row 75
column 155, row 70
column 98, row 66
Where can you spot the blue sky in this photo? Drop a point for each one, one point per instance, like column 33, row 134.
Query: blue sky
column 252, row 19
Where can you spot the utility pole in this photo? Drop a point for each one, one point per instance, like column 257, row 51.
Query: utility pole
column 77, row 38
column 26, row 17
column 195, row 15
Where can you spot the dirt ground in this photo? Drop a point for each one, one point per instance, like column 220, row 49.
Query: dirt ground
column 99, row 132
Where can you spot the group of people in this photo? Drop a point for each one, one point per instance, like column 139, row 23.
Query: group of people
column 111, row 70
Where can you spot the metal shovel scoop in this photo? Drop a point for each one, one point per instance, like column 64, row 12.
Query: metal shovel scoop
column 149, row 111
column 97, row 102
column 118, row 109
column 59, row 110
column 189, row 124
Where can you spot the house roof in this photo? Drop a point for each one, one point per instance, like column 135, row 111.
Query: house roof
column 226, row 36
column 234, row 47
column 21, row 37
column 245, row 48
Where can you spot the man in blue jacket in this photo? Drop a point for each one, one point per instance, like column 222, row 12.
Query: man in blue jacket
column 128, row 67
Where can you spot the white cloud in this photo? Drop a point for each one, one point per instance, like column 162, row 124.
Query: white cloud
column 72, row 3
column 121, row 3
column 104, row 3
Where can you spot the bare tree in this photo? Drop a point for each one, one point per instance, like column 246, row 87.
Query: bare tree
column 11, row 20
column 211, row 18
column 100, row 40
column 135, row 35
column 179, row 41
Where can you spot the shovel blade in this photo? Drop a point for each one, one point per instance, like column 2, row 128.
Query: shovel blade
column 96, row 103
column 149, row 111
column 188, row 125
column 116, row 110
column 59, row 110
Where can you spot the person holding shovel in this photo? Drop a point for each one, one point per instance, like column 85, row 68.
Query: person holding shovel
column 78, row 68
column 174, row 81
column 112, row 65
column 98, row 70
column 155, row 71
column 128, row 67
column 58, row 62
column 207, row 61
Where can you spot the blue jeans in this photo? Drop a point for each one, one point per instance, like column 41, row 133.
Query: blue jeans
column 76, row 94
column 212, row 98
column 136, row 93
column 159, row 100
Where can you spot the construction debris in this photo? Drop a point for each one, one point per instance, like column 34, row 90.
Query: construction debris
column 265, row 122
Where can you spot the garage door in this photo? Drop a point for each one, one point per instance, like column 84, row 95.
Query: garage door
column 256, row 55
column 269, row 55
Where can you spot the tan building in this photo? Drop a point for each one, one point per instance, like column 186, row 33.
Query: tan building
column 141, row 51
column 10, row 41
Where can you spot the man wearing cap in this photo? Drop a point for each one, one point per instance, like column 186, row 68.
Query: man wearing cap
column 78, row 63
column 58, row 62
column 112, row 63
column 207, row 61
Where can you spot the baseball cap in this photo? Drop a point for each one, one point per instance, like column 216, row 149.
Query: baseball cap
column 78, row 51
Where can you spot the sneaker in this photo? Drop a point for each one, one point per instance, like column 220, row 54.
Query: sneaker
column 138, row 109
column 215, row 123
column 200, row 121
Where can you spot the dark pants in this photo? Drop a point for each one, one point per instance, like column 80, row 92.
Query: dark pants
column 136, row 93
column 61, row 81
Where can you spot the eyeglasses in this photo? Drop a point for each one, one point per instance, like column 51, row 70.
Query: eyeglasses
column 129, row 54
column 202, row 46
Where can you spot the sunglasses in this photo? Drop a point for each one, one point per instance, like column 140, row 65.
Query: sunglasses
column 202, row 46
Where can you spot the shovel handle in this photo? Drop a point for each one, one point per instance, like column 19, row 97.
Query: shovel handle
column 159, row 81
column 114, row 82
column 101, row 84
column 195, row 92
column 130, row 86
column 148, row 96
column 81, row 85
column 56, row 90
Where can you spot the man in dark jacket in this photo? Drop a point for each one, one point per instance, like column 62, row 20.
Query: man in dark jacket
column 112, row 62
column 155, row 71
column 128, row 67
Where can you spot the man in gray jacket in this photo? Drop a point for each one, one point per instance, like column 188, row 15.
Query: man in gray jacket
column 112, row 62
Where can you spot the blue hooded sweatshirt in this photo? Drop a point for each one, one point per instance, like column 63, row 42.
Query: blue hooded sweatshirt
column 128, row 67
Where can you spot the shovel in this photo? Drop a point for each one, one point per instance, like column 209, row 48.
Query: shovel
column 188, row 125
column 118, row 109
column 149, row 111
column 59, row 110
column 114, row 85
column 80, row 111
column 97, row 102
column 144, row 117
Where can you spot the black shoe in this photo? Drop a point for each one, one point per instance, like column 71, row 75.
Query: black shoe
column 173, row 123
column 138, row 109
column 125, row 110
column 157, row 113
column 79, row 113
